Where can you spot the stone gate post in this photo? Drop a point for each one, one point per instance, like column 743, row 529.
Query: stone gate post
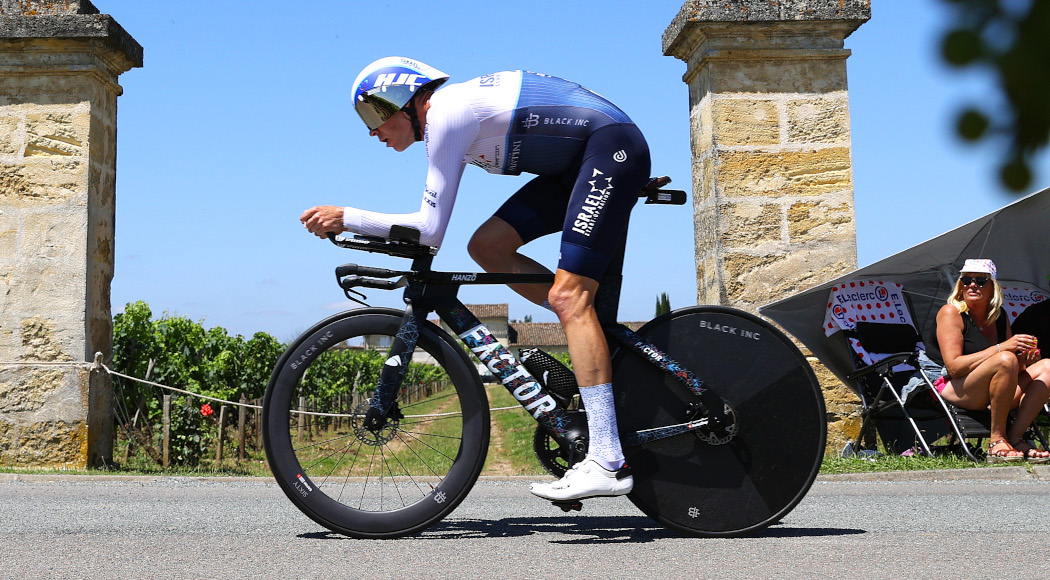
column 772, row 172
column 59, row 63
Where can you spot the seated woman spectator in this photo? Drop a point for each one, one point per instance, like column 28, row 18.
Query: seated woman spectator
column 988, row 366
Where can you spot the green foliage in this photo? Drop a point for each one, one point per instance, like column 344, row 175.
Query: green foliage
column 663, row 304
column 1009, row 39
column 563, row 358
column 189, row 428
column 178, row 352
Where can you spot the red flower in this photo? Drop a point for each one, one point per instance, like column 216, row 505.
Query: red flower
column 206, row 410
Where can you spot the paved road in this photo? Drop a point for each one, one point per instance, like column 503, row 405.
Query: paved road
column 961, row 524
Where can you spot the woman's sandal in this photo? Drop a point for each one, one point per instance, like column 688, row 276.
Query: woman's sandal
column 1001, row 455
column 1029, row 450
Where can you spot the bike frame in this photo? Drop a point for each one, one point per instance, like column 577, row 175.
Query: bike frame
column 430, row 291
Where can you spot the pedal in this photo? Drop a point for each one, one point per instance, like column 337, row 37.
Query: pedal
column 569, row 505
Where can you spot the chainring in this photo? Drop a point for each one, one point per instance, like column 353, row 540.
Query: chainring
column 551, row 456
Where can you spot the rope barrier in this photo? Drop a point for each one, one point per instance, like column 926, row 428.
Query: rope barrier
column 184, row 392
column 97, row 365
column 30, row 363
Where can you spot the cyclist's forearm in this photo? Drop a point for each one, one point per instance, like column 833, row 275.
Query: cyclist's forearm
column 372, row 223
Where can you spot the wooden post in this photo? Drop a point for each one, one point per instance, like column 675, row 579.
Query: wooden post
column 302, row 417
column 166, row 422
column 131, row 428
column 258, row 426
column 222, row 433
column 241, row 416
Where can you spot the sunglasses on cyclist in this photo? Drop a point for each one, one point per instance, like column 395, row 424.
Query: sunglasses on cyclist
column 980, row 280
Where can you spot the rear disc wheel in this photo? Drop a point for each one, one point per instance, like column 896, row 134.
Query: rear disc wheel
column 766, row 467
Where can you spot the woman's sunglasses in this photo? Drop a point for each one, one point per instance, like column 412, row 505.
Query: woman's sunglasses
column 967, row 280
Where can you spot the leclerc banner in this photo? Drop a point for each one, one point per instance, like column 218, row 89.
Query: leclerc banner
column 1017, row 296
column 865, row 301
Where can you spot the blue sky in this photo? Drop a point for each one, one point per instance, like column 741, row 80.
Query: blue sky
column 241, row 119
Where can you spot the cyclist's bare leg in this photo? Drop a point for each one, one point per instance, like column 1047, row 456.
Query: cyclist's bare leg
column 599, row 474
column 572, row 298
column 494, row 246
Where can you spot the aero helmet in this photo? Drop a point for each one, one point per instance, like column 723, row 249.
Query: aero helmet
column 387, row 86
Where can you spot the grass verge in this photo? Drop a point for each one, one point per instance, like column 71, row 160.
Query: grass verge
column 510, row 450
column 837, row 465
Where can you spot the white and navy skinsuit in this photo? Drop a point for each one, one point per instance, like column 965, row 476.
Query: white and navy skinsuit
column 590, row 159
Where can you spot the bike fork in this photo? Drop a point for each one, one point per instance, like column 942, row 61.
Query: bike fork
column 391, row 376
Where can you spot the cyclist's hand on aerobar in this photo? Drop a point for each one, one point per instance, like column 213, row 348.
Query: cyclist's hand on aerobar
column 323, row 220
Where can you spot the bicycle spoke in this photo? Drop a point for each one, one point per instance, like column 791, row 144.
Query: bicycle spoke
column 346, row 479
column 421, row 459
column 424, row 433
column 431, row 447
column 364, row 488
column 430, row 400
column 396, row 488
column 312, row 445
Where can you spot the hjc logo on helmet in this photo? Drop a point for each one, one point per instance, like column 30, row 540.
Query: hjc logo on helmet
column 391, row 79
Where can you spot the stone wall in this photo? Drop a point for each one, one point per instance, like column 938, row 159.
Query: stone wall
column 772, row 174
column 59, row 62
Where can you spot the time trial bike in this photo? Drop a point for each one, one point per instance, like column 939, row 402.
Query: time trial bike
column 721, row 418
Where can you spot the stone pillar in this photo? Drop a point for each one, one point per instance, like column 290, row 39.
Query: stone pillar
column 772, row 176
column 59, row 63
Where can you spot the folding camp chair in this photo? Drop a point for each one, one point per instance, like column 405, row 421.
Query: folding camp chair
column 897, row 395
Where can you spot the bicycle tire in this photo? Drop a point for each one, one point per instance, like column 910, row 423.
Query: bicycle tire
column 374, row 485
column 759, row 476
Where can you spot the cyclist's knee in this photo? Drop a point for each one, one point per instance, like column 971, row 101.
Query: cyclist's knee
column 493, row 241
column 571, row 294
column 477, row 248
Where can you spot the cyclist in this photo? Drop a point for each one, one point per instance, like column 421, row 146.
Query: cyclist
column 591, row 162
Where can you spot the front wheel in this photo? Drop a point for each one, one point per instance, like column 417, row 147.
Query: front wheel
column 769, row 464
column 358, row 479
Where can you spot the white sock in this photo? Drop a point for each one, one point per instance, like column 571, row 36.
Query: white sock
column 604, row 444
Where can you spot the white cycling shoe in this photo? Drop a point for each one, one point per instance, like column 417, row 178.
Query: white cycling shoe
column 586, row 479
